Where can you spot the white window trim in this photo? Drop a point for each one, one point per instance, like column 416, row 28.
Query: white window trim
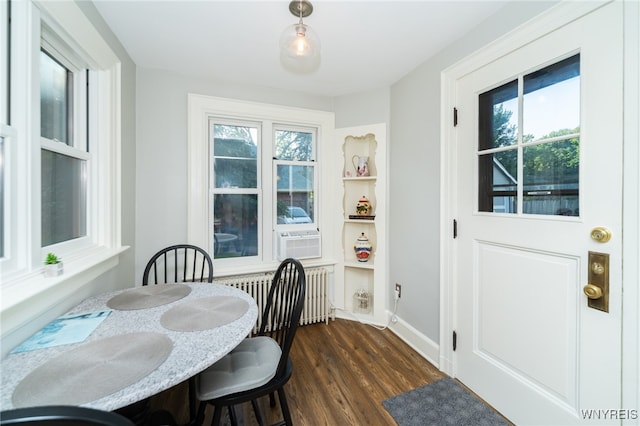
column 22, row 281
column 200, row 109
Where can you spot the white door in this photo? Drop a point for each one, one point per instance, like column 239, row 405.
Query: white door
column 539, row 166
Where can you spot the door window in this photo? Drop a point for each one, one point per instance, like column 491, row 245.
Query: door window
column 529, row 143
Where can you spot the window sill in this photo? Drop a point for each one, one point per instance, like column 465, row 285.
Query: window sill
column 32, row 292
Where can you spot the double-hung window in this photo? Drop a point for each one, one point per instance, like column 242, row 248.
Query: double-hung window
column 262, row 174
column 64, row 154
column 59, row 146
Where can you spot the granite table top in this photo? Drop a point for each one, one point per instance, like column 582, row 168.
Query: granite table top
column 192, row 351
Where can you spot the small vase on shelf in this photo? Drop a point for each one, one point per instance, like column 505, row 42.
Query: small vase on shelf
column 361, row 299
column 361, row 164
column 362, row 248
column 363, row 208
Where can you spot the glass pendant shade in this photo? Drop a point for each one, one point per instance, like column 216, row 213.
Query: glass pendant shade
column 300, row 48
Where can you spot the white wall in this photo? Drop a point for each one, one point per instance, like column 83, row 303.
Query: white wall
column 363, row 108
column 415, row 172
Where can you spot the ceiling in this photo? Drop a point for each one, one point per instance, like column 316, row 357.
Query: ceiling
column 365, row 44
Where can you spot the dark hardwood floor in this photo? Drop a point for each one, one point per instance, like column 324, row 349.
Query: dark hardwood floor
column 342, row 373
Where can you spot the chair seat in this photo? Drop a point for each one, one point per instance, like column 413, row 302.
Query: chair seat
column 250, row 365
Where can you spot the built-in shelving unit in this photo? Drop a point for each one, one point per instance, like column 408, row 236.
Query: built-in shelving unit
column 355, row 277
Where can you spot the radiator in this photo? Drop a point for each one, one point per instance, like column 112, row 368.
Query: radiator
column 316, row 303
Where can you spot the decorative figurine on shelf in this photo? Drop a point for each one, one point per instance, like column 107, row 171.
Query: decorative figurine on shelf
column 362, row 248
column 363, row 208
column 361, row 301
column 361, row 163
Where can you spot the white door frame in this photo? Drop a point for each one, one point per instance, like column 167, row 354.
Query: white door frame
column 549, row 20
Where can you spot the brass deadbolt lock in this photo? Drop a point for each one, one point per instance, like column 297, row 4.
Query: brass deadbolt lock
column 597, row 291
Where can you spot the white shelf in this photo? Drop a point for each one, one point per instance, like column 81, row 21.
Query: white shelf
column 360, row 178
column 353, row 276
column 359, row 265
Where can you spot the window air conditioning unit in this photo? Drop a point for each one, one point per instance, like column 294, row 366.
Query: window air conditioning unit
column 298, row 244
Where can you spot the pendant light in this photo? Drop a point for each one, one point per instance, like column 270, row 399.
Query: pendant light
column 299, row 44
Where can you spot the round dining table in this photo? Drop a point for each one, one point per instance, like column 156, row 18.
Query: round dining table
column 151, row 339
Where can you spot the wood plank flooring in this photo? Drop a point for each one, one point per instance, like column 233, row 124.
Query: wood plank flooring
column 342, row 373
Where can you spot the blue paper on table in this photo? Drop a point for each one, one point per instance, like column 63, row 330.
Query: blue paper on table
column 64, row 331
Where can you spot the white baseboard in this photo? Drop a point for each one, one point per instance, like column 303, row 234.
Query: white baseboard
column 426, row 347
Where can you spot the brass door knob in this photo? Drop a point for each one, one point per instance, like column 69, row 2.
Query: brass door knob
column 601, row 234
column 592, row 291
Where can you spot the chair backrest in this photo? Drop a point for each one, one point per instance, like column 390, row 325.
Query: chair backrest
column 178, row 263
column 62, row 415
column 284, row 305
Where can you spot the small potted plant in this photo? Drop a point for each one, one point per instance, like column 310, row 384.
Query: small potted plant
column 52, row 265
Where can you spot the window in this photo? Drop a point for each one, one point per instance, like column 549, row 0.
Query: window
column 263, row 177
column 64, row 158
column 529, row 143
column 235, row 189
column 56, row 194
column 295, row 176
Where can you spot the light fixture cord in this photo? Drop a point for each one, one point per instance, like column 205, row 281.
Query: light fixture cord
column 300, row 10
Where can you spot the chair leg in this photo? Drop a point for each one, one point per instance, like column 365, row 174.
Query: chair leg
column 256, row 410
column 232, row 415
column 192, row 398
column 284, row 407
column 272, row 400
column 217, row 414
column 199, row 419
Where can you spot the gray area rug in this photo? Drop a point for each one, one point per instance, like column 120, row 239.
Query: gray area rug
column 443, row 402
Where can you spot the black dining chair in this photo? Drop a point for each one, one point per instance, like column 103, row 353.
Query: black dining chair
column 175, row 264
column 62, row 415
column 178, row 263
column 259, row 365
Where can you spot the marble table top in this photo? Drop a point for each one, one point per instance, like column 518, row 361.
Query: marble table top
column 192, row 352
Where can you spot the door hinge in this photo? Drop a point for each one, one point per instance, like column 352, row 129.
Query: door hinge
column 455, row 117
column 455, row 228
column 455, row 340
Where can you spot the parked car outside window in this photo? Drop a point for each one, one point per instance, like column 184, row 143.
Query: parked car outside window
column 295, row 215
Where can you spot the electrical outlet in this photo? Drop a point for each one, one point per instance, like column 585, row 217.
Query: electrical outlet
column 398, row 290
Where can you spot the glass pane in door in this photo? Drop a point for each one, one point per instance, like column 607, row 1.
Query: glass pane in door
column 551, row 119
column 551, row 178
column 534, row 168
column 551, row 101
column 498, row 132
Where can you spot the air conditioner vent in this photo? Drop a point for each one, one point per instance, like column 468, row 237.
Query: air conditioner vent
column 299, row 244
